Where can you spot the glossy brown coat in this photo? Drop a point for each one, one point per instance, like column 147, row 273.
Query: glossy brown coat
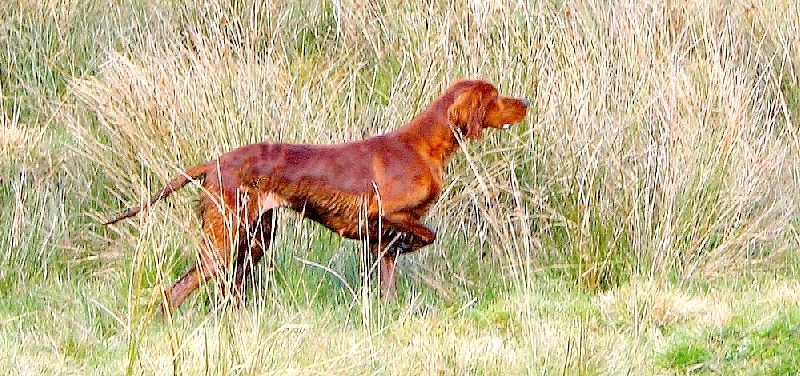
column 375, row 190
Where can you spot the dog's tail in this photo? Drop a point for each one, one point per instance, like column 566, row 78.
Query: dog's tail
column 184, row 178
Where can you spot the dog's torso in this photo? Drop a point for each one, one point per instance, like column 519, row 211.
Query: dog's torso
column 346, row 187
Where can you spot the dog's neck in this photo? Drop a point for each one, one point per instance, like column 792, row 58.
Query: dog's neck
column 433, row 133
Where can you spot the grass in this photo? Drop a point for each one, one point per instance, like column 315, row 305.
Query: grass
column 644, row 219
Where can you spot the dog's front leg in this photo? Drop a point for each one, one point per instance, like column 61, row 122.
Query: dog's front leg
column 403, row 233
column 385, row 254
column 387, row 275
column 392, row 244
column 417, row 234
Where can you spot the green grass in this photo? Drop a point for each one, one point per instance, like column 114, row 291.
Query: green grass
column 644, row 219
column 754, row 341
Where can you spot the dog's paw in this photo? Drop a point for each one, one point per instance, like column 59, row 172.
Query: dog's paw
column 402, row 243
column 405, row 242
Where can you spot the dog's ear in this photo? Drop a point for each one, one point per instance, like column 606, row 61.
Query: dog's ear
column 468, row 111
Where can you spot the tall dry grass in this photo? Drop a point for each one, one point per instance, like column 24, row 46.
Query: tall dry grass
column 663, row 138
column 672, row 135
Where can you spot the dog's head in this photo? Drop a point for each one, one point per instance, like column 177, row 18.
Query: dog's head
column 477, row 105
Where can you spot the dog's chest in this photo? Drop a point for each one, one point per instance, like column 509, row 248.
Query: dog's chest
column 346, row 214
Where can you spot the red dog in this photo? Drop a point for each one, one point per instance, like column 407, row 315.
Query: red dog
column 374, row 190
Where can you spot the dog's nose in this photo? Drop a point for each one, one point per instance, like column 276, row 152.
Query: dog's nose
column 526, row 102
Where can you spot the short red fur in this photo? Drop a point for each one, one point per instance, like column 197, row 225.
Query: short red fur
column 375, row 190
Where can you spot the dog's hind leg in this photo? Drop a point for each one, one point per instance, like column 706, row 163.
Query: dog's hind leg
column 220, row 234
column 251, row 250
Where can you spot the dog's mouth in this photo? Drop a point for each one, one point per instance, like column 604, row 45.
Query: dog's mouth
column 505, row 112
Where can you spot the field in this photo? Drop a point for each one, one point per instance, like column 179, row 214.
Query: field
column 644, row 218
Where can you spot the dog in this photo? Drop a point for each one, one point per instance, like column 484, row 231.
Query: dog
column 375, row 190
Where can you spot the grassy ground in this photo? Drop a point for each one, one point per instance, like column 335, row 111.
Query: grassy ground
column 643, row 220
